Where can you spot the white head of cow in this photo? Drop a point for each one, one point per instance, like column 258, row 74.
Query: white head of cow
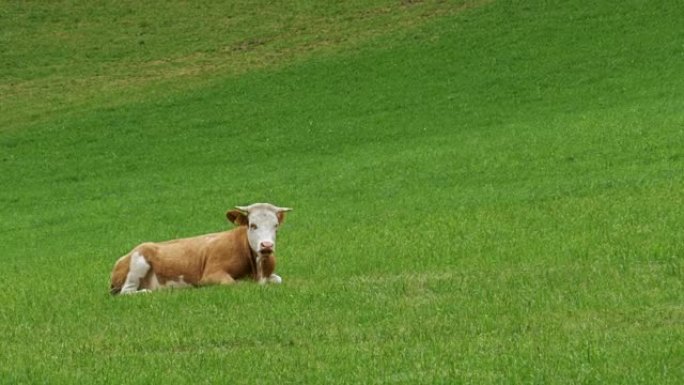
column 262, row 221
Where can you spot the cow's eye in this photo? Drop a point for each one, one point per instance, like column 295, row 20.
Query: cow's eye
column 253, row 226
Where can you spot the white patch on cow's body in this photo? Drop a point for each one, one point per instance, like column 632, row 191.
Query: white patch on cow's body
column 137, row 270
column 169, row 284
column 180, row 283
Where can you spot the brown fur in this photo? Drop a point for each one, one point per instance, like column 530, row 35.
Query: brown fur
column 219, row 258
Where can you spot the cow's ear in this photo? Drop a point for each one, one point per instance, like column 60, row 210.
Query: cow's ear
column 237, row 217
column 281, row 214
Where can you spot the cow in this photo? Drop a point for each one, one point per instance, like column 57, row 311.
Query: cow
column 247, row 251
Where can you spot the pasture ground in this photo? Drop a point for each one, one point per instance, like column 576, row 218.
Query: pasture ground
column 484, row 192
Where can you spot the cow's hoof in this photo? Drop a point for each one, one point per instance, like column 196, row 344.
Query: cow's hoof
column 275, row 278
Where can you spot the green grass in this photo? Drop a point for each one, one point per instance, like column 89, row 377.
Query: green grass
column 489, row 193
column 115, row 54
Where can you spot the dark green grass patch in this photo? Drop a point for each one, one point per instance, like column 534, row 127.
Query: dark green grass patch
column 495, row 197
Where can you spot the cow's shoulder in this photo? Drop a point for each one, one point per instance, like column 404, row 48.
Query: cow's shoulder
column 229, row 244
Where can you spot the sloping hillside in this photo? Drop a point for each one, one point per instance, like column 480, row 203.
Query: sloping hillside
column 484, row 192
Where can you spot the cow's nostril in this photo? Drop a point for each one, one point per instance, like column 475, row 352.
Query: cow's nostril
column 267, row 245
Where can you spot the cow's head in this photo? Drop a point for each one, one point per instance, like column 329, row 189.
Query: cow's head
column 262, row 221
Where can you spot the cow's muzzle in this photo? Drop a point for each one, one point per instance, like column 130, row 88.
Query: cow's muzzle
column 266, row 248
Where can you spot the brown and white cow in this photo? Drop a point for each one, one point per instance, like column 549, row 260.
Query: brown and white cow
column 247, row 251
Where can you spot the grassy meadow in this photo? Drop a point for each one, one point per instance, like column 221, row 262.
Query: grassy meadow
column 484, row 192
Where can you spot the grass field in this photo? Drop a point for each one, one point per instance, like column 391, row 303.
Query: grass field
column 485, row 192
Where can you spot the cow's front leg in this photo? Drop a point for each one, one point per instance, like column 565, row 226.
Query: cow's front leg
column 265, row 268
column 268, row 277
column 217, row 278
